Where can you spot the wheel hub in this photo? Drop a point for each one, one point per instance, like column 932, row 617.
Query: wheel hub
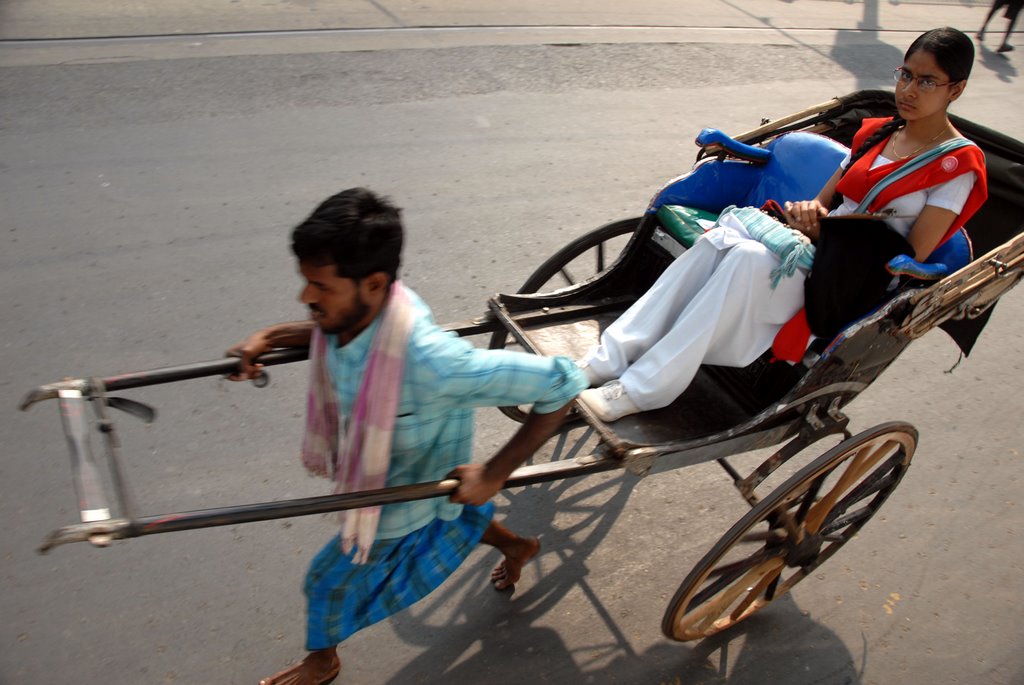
column 805, row 552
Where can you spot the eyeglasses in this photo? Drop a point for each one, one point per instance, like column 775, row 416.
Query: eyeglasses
column 925, row 84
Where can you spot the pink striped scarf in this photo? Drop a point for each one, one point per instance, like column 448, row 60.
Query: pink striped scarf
column 361, row 462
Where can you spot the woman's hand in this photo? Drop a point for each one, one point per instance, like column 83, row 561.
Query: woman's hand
column 805, row 217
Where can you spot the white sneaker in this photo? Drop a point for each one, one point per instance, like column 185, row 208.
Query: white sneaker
column 592, row 378
column 610, row 402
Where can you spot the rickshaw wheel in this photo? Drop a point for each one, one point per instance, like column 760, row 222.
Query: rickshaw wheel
column 557, row 265
column 791, row 532
column 574, row 254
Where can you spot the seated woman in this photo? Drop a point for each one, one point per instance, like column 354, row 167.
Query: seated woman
column 718, row 302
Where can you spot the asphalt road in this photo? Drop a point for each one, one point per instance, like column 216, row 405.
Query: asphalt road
column 147, row 200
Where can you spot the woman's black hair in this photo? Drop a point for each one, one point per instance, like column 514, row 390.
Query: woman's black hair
column 953, row 52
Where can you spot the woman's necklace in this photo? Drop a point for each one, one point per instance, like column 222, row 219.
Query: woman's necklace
column 911, row 154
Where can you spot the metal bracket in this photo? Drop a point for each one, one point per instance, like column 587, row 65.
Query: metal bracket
column 1001, row 268
column 812, row 418
column 98, row 533
column 639, row 461
column 52, row 391
column 816, row 426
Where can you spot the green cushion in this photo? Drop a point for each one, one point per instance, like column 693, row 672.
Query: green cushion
column 681, row 222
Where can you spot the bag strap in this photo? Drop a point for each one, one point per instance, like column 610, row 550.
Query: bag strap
column 909, row 168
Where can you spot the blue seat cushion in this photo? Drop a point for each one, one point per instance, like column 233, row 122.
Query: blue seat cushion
column 800, row 165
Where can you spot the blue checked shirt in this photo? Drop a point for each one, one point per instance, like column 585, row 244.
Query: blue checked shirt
column 445, row 378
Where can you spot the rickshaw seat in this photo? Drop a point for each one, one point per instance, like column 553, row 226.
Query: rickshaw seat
column 800, row 165
column 794, row 166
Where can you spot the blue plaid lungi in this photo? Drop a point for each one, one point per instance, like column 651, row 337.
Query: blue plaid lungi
column 343, row 597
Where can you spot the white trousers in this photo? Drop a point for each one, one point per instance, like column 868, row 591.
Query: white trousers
column 713, row 305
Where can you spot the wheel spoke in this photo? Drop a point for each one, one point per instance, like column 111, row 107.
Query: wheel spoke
column 707, row 614
column 832, row 526
column 734, row 568
column 810, row 497
column 606, row 240
column 726, row 574
column 769, row 593
column 775, row 535
column 770, row 579
column 881, row 480
column 859, row 465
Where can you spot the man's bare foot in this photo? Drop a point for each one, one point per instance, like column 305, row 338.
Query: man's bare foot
column 318, row 668
column 516, row 554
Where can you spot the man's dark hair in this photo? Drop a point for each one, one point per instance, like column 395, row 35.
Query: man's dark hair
column 357, row 231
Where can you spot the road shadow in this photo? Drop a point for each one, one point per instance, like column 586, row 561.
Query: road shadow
column 996, row 62
column 874, row 59
column 864, row 54
column 499, row 643
column 468, row 633
column 870, row 60
column 861, row 52
column 469, row 618
column 779, row 644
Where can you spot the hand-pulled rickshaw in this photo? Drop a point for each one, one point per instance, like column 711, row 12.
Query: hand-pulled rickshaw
column 561, row 309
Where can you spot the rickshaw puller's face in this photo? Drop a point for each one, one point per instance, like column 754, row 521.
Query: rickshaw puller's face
column 335, row 303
